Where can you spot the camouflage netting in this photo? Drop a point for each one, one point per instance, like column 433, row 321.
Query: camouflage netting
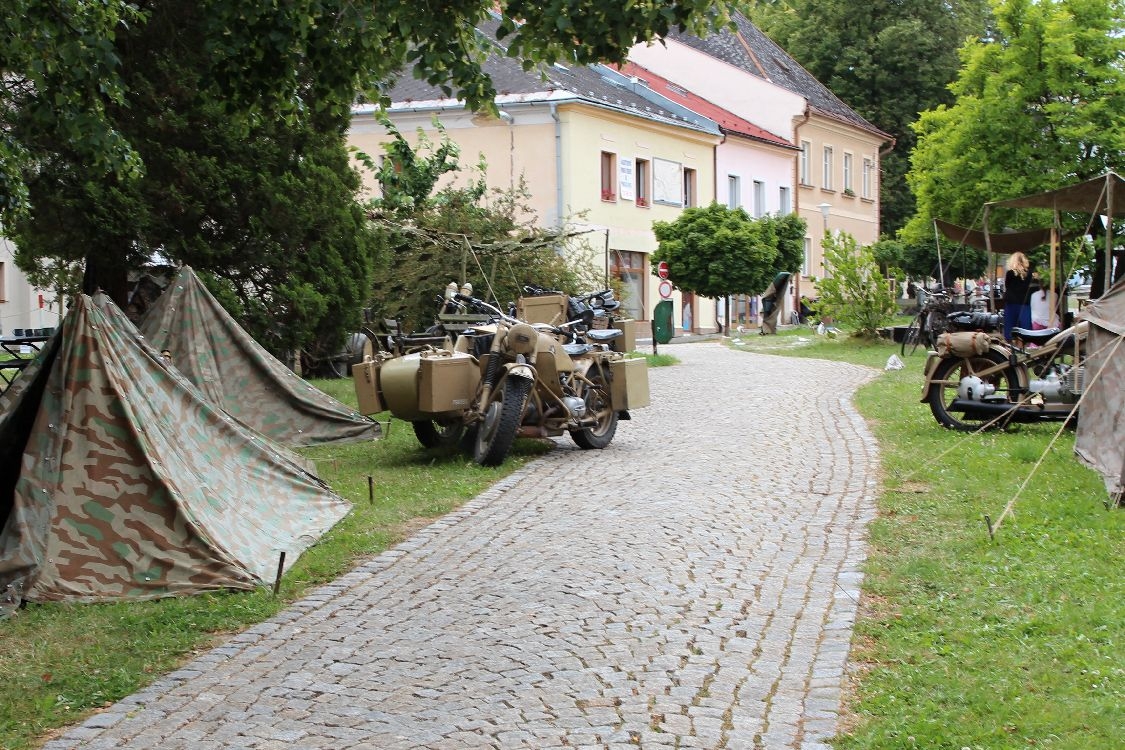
column 1100, row 439
column 120, row 480
column 234, row 371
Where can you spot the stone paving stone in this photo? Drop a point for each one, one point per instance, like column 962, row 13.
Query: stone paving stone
column 694, row 585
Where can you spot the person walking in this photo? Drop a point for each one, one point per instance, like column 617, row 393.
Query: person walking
column 1017, row 286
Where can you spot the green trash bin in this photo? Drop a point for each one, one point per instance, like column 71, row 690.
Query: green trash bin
column 662, row 328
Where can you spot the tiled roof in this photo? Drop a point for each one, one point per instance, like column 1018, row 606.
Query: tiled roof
column 728, row 121
column 754, row 52
column 546, row 83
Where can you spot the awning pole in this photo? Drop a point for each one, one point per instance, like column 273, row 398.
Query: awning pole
column 1054, row 259
column 991, row 263
column 1108, row 233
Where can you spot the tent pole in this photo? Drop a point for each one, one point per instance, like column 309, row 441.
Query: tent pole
column 941, row 269
column 991, row 262
column 1054, row 259
column 1108, row 233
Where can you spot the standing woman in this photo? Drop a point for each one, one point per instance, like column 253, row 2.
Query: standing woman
column 1017, row 283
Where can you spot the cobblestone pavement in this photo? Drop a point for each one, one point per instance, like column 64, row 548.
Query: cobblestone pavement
column 692, row 586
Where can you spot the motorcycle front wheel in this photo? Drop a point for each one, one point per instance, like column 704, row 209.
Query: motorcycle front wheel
column 943, row 392
column 596, row 395
column 496, row 432
column 434, row 434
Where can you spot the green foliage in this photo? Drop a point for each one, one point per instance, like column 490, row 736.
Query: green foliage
column 59, row 72
column 64, row 63
column 262, row 208
column 887, row 59
column 854, row 293
column 1039, row 105
column 461, row 233
column 918, row 260
column 715, row 250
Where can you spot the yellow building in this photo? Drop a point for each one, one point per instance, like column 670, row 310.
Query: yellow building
column 594, row 154
column 836, row 175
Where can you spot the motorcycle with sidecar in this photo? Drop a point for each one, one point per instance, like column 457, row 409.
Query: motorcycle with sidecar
column 507, row 379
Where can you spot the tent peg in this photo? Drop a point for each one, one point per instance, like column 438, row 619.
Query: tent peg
column 280, row 572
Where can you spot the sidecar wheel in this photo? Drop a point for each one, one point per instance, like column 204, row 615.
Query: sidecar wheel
column 597, row 401
column 497, row 431
column 950, row 372
column 433, row 434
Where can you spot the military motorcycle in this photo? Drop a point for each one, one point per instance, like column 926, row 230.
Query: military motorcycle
column 505, row 379
column 978, row 381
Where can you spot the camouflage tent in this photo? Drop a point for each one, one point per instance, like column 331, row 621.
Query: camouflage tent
column 118, row 479
column 209, row 347
column 1100, row 438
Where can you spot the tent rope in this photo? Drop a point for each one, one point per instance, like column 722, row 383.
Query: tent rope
column 994, row 527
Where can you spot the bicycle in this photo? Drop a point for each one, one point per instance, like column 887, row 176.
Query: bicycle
column 928, row 323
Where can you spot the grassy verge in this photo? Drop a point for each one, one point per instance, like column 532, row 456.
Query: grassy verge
column 966, row 642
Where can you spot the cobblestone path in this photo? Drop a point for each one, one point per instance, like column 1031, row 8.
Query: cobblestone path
column 692, row 586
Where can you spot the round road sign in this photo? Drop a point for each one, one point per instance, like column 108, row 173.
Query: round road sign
column 662, row 269
column 665, row 289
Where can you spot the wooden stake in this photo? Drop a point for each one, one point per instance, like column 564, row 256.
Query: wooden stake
column 280, row 571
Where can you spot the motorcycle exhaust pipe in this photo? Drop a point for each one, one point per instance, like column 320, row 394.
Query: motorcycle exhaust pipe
column 1023, row 414
column 531, row 431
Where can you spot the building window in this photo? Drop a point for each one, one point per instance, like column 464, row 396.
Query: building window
column 644, row 193
column 826, row 183
column 849, row 186
column 784, row 204
column 734, row 191
column 609, row 176
column 690, row 196
column 759, row 199
column 806, row 150
column 868, row 170
column 629, row 267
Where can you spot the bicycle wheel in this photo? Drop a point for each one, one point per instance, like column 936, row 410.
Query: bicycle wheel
column 913, row 336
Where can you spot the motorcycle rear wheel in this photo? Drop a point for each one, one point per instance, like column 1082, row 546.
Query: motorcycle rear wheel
column 497, row 431
column 596, row 396
column 434, row 434
column 950, row 372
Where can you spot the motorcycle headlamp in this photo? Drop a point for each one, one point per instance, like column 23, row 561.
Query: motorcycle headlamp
column 522, row 338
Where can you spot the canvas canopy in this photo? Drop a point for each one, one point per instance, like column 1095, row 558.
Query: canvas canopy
column 1099, row 195
column 120, row 480
column 1003, row 242
column 1100, row 438
column 234, row 371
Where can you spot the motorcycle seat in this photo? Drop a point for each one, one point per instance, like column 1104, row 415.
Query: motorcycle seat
column 576, row 350
column 602, row 335
column 1038, row 338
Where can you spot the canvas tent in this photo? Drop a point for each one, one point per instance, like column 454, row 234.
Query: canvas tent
column 119, row 480
column 231, row 369
column 1100, row 438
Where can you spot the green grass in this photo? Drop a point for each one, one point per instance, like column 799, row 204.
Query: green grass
column 964, row 641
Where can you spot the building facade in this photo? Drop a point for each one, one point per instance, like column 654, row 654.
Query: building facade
column 835, row 178
column 595, row 155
